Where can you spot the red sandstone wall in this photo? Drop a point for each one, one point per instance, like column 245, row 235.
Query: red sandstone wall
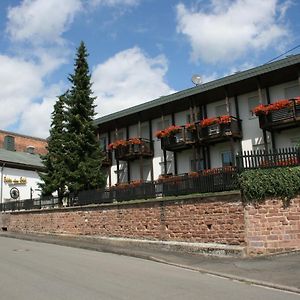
column 199, row 220
column 272, row 228
column 22, row 142
column 265, row 228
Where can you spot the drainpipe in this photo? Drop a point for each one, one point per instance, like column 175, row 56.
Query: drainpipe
column 1, row 186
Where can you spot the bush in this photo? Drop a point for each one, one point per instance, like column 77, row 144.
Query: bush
column 258, row 184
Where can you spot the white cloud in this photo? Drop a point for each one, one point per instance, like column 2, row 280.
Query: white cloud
column 20, row 83
column 232, row 29
column 115, row 2
column 40, row 21
column 129, row 78
column 35, row 120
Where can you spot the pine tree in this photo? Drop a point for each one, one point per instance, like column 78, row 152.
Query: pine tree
column 54, row 179
column 83, row 154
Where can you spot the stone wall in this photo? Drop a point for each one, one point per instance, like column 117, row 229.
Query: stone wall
column 218, row 219
column 271, row 227
column 264, row 228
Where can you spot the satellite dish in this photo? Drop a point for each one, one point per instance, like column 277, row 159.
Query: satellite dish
column 196, row 79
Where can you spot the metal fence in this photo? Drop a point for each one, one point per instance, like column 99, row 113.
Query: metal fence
column 28, row 204
column 214, row 180
column 285, row 157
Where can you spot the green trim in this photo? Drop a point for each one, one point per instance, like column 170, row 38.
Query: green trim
column 289, row 61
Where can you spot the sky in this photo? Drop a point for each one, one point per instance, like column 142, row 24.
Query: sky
column 138, row 50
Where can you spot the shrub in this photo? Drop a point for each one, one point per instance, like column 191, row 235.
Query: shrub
column 279, row 182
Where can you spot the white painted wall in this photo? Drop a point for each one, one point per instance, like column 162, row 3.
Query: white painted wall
column 252, row 135
column 32, row 180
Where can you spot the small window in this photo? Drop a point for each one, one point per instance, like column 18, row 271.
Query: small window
column 221, row 110
column 199, row 165
column 9, row 143
column 293, row 91
column 188, row 118
column 162, row 124
column 121, row 135
column 252, row 103
column 30, row 149
column 102, row 143
column 226, row 159
column 145, row 131
column 146, row 171
column 162, row 167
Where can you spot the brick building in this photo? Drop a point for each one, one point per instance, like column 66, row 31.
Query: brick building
column 19, row 165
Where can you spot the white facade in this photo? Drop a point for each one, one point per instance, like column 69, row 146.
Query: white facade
column 238, row 106
column 25, row 181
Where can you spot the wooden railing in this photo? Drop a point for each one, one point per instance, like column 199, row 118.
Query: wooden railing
column 134, row 151
column 184, row 139
column 286, row 117
column 285, row 157
column 220, row 131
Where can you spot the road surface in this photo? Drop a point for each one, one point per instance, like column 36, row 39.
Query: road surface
column 31, row 270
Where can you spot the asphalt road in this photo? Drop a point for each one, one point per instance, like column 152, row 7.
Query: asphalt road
column 31, row 270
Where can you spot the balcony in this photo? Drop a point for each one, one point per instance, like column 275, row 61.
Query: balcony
column 133, row 149
column 183, row 138
column 177, row 138
column 220, row 129
column 280, row 115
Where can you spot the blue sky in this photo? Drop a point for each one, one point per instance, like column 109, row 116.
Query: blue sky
column 139, row 49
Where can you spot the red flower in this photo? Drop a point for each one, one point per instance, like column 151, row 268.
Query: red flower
column 280, row 104
column 208, row 122
column 135, row 141
column 224, row 120
column 190, row 126
column 173, row 129
column 117, row 144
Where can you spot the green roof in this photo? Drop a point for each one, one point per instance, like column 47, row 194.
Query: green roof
column 239, row 76
column 20, row 159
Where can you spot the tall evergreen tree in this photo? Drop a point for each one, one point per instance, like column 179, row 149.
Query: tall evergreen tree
column 54, row 179
column 83, row 154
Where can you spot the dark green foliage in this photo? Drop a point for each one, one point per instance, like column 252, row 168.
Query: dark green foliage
column 83, row 154
column 74, row 156
column 278, row 182
column 54, row 179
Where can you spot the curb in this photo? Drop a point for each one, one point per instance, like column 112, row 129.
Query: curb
column 232, row 277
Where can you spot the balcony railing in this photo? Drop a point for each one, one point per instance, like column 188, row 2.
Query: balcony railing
column 220, row 132
column 181, row 140
column 134, row 150
column 284, row 157
column 286, row 117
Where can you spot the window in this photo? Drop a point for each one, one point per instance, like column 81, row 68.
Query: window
column 146, row 171
column 199, row 165
column 226, row 158
column 102, row 143
column 9, row 143
column 252, row 103
column 145, row 131
column 30, row 149
column 162, row 124
column 162, row 167
column 293, row 91
column 221, row 110
column 120, row 135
